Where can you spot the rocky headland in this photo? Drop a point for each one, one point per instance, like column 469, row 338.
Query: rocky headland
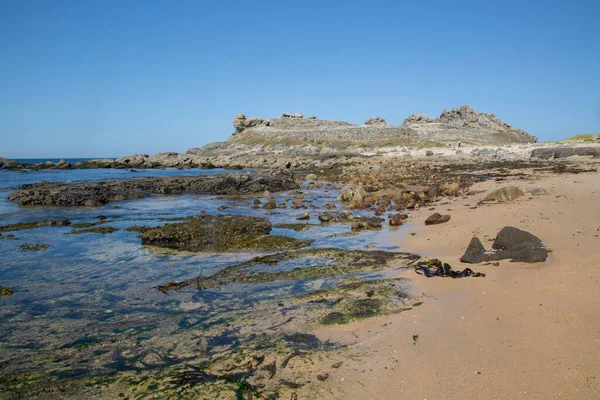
column 293, row 141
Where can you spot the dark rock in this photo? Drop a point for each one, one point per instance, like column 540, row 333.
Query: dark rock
column 510, row 237
column 270, row 205
column 219, row 233
column 511, row 243
column 437, row 218
column 33, row 225
column 474, row 253
column 5, row 163
column 326, row 217
column 429, row 153
column 99, row 193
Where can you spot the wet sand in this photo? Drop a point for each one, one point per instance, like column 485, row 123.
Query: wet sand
column 524, row 331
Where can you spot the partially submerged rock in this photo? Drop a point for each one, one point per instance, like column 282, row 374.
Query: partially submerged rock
column 220, row 233
column 6, row 291
column 34, row 247
column 33, row 225
column 507, row 193
column 511, row 243
column 339, row 262
column 352, row 193
column 99, row 193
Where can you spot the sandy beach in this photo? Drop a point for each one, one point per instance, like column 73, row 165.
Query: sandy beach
column 524, row 331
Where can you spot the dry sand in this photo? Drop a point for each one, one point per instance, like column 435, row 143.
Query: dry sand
column 524, row 331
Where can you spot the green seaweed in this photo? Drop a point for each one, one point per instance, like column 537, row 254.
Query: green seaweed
column 5, row 291
column 101, row 229
column 295, row 227
column 33, row 225
column 34, row 247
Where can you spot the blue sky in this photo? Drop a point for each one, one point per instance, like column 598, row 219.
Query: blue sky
column 111, row 78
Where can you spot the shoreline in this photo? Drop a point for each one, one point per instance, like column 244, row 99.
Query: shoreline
column 533, row 325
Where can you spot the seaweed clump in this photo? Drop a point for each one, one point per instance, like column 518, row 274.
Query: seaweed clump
column 6, row 291
column 34, row 247
column 100, row 229
column 220, row 233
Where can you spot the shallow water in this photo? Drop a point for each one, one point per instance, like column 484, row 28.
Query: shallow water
column 91, row 287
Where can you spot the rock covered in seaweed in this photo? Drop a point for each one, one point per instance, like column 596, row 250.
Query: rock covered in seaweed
column 220, row 233
column 99, row 193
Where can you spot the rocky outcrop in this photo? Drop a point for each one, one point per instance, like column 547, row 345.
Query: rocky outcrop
column 220, row 233
column 5, row 163
column 376, row 121
column 417, row 118
column 511, row 243
column 99, row 193
column 551, row 153
column 466, row 125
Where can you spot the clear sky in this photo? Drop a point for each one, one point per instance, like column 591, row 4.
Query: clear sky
column 116, row 77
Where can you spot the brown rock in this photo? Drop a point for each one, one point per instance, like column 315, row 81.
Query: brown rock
column 436, row 218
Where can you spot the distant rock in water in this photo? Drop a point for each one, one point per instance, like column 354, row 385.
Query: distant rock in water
column 99, row 193
column 5, row 163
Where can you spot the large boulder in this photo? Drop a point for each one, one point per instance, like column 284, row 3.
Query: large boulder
column 475, row 252
column 511, row 243
column 352, row 193
column 507, row 193
column 219, row 233
column 251, row 122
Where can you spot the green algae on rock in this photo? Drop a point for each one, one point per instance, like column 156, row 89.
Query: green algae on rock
column 295, row 227
column 33, row 225
column 6, row 291
column 220, row 233
column 34, row 247
column 100, row 229
column 338, row 262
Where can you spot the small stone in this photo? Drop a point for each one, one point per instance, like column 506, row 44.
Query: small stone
column 437, row 218
column 303, row 217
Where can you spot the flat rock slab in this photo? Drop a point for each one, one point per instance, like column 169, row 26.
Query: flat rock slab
column 511, row 243
column 562, row 152
column 99, row 193
column 220, row 233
